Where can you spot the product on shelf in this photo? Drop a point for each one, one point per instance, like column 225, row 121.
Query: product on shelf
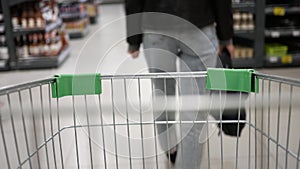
column 40, row 44
column 243, row 21
column 77, row 25
column 243, row 52
column 275, row 50
column 34, row 14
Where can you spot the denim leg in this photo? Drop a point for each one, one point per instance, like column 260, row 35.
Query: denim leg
column 160, row 52
column 196, row 57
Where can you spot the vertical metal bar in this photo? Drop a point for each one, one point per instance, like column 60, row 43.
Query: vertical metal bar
column 44, row 128
column 4, row 142
column 221, row 128
column 34, row 128
column 51, row 126
column 255, row 127
column 14, row 129
column 207, row 137
column 278, row 124
column 114, row 122
column 289, row 126
column 24, row 127
column 238, row 131
column 249, row 141
column 127, row 121
column 102, row 131
column 298, row 157
column 141, row 121
column 262, row 123
column 269, row 122
column 180, row 122
column 59, row 132
column 89, row 131
column 154, row 122
column 75, row 133
column 167, row 126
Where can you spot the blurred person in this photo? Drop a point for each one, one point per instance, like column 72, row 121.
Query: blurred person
column 193, row 32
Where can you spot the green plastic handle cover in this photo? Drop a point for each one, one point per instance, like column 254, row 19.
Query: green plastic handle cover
column 81, row 84
column 240, row 80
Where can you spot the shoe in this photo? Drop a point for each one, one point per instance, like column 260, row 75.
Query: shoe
column 172, row 157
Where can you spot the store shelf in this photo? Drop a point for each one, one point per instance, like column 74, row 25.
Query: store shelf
column 73, row 15
column 77, row 33
column 277, row 33
column 243, row 63
column 44, row 61
column 281, row 10
column 48, row 28
column 245, row 34
column 244, row 6
column 71, row 1
column 288, row 60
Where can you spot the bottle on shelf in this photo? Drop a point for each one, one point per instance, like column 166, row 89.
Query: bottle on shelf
column 35, row 45
column 25, row 46
column 15, row 20
column 24, row 17
column 41, row 45
column 47, row 44
column 54, row 48
column 31, row 17
column 39, row 20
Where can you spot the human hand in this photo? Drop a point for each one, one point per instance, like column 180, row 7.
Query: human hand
column 230, row 49
column 134, row 54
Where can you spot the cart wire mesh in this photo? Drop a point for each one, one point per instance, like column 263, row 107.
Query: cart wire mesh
column 117, row 128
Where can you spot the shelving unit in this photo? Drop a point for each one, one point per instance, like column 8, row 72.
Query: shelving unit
column 4, row 55
column 75, row 16
column 13, row 33
column 253, row 38
column 283, row 27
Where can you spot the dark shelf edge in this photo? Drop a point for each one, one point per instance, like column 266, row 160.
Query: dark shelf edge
column 78, row 34
column 243, row 63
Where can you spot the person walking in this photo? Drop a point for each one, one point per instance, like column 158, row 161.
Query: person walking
column 192, row 33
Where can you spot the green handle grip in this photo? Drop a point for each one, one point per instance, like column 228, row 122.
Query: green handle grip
column 82, row 84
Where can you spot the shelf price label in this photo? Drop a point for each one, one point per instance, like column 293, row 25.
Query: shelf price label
column 286, row 59
column 279, row 11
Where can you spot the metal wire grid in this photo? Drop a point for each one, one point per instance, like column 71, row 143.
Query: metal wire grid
column 40, row 132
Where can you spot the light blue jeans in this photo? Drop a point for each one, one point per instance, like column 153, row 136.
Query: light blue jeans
column 196, row 50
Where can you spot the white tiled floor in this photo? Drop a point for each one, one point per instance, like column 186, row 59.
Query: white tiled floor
column 104, row 51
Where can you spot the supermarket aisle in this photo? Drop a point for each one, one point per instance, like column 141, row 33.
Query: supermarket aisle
column 102, row 50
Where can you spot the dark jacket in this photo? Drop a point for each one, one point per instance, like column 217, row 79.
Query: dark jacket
column 201, row 13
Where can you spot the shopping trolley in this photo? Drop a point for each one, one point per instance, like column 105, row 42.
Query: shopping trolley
column 93, row 121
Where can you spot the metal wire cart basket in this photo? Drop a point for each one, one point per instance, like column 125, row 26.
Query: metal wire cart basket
column 107, row 121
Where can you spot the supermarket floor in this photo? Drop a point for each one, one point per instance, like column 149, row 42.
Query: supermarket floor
column 103, row 50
